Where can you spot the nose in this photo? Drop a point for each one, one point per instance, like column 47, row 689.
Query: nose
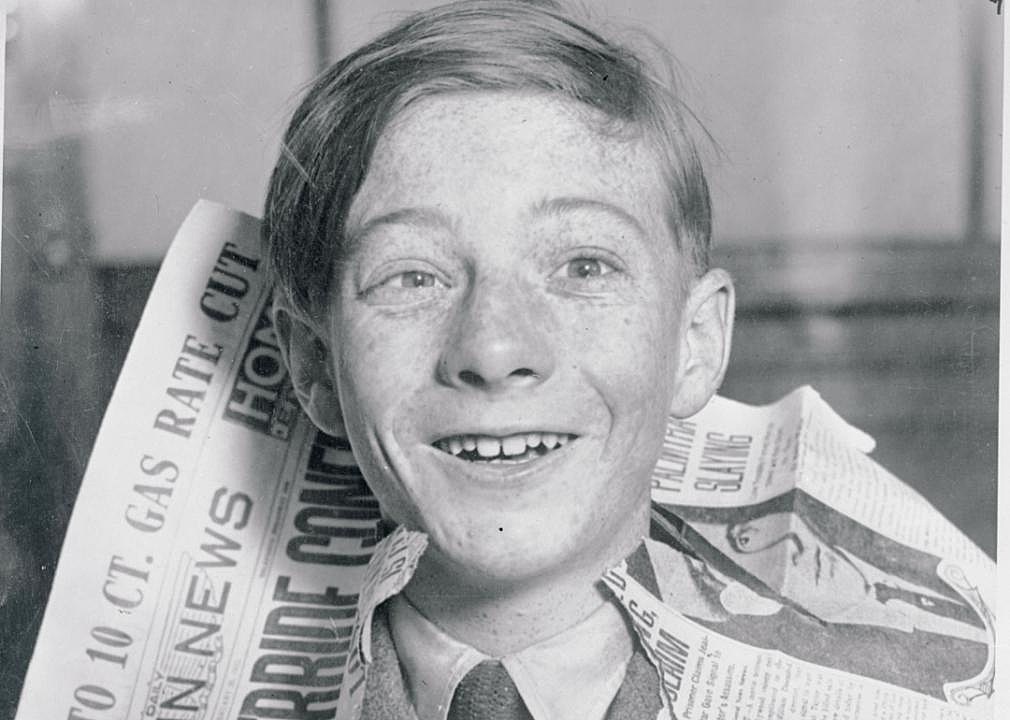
column 499, row 341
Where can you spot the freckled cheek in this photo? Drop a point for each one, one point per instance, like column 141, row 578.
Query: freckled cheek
column 627, row 366
column 630, row 350
column 383, row 363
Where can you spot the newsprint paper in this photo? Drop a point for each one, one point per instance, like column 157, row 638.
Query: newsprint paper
column 219, row 549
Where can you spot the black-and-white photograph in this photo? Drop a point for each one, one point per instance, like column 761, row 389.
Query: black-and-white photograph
column 544, row 359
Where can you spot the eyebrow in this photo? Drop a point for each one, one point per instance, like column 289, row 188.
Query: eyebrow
column 562, row 205
column 423, row 216
column 431, row 217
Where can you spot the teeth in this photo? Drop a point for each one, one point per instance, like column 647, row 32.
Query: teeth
column 488, row 446
column 514, row 445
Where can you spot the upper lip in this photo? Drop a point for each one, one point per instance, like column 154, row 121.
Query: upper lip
column 501, row 432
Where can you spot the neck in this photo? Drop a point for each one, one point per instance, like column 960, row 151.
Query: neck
column 503, row 617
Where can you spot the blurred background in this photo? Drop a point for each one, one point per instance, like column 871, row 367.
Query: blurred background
column 856, row 193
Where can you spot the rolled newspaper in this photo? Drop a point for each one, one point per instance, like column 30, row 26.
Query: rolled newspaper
column 218, row 550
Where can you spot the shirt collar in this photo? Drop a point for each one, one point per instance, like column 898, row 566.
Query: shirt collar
column 586, row 661
column 573, row 675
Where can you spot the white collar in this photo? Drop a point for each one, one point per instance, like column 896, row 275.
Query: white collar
column 573, row 675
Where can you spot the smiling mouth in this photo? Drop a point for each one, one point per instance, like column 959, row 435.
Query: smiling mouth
column 510, row 449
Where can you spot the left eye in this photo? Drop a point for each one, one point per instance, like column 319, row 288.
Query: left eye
column 587, row 267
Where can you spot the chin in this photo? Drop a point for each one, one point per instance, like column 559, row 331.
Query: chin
column 502, row 548
column 492, row 563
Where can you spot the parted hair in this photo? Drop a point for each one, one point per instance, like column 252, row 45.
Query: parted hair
column 474, row 45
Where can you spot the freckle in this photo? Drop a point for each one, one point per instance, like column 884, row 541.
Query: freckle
column 627, row 321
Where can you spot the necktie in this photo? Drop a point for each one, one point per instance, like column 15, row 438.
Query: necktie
column 487, row 693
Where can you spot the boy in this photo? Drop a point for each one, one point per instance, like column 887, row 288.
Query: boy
column 489, row 228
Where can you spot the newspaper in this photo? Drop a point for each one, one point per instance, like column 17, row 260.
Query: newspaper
column 217, row 561
column 829, row 576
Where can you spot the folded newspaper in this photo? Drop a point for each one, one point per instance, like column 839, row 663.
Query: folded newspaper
column 219, row 547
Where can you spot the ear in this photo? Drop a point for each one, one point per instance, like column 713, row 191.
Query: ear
column 706, row 334
column 306, row 354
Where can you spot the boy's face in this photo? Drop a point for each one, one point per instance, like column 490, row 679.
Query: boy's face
column 505, row 333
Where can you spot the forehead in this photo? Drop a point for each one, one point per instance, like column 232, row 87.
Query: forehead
column 500, row 149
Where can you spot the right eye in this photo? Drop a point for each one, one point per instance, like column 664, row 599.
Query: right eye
column 405, row 287
column 414, row 279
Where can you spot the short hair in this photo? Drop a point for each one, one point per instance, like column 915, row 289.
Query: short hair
column 473, row 45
